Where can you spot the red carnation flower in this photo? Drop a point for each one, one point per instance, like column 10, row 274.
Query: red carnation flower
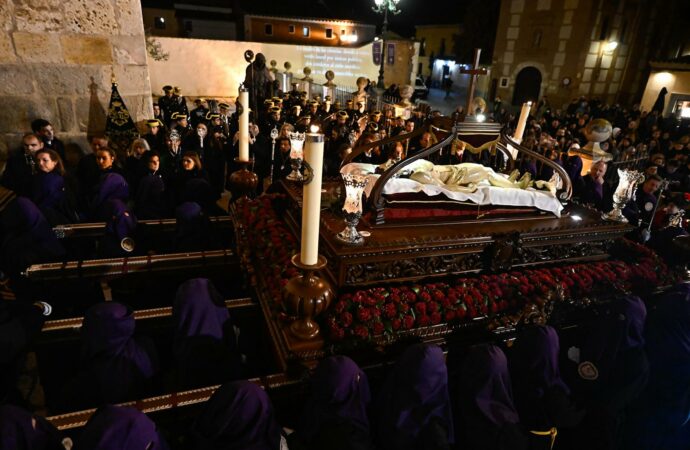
column 450, row 315
column 435, row 318
column 423, row 320
column 420, row 308
column 378, row 328
column 395, row 324
column 363, row 314
column 433, row 307
column 390, row 310
column 408, row 322
column 346, row 319
column 361, row 332
column 370, row 300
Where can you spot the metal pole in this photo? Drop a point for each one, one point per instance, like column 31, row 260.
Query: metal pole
column 384, row 29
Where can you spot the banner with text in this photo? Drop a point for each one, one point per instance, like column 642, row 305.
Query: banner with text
column 390, row 54
column 376, row 48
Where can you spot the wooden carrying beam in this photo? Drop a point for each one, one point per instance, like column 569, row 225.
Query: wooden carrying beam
column 96, row 228
column 142, row 314
column 168, row 401
column 122, row 266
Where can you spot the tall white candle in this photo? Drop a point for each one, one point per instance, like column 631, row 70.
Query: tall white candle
column 243, row 99
column 522, row 121
column 327, row 108
column 311, row 200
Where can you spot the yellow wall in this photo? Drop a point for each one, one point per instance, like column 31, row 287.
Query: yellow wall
column 675, row 83
column 433, row 34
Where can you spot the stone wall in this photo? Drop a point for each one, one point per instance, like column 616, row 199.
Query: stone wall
column 56, row 59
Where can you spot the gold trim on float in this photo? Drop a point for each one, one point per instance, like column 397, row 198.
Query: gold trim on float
column 154, row 313
column 168, row 401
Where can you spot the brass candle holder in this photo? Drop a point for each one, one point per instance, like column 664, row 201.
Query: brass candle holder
column 243, row 182
column 305, row 297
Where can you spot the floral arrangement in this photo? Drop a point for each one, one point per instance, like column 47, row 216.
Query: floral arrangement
column 384, row 311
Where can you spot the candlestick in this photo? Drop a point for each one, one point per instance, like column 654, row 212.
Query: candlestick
column 522, row 122
column 311, row 200
column 243, row 102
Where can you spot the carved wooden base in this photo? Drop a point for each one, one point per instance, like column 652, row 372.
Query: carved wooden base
column 305, row 297
column 403, row 252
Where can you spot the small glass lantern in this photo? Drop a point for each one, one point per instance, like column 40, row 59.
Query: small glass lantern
column 627, row 183
column 352, row 208
column 296, row 155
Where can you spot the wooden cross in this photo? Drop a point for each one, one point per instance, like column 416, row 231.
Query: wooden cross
column 474, row 72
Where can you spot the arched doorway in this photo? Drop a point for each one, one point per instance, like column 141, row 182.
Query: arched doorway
column 527, row 85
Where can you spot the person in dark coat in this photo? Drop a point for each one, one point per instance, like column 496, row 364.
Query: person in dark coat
column 660, row 101
column 151, row 201
column 135, row 165
column 215, row 156
column 45, row 131
column 20, row 323
column 335, row 415
column 611, row 371
column 413, row 409
column 115, row 365
column 119, row 239
column 660, row 419
column 640, row 209
column 281, row 160
column 191, row 168
column 112, row 186
column 199, row 190
column 27, row 238
column 591, row 188
column 238, row 416
column 192, row 229
column 21, row 166
column 156, row 135
column 21, row 430
column 119, row 428
column 487, row 418
column 542, row 397
column 49, row 191
column 205, row 344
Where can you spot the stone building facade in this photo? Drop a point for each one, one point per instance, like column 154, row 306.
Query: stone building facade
column 307, row 31
column 436, row 42
column 571, row 48
column 56, row 62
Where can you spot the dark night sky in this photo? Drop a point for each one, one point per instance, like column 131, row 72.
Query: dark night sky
column 414, row 12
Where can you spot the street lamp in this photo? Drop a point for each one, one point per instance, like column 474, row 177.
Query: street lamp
column 610, row 46
column 384, row 7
